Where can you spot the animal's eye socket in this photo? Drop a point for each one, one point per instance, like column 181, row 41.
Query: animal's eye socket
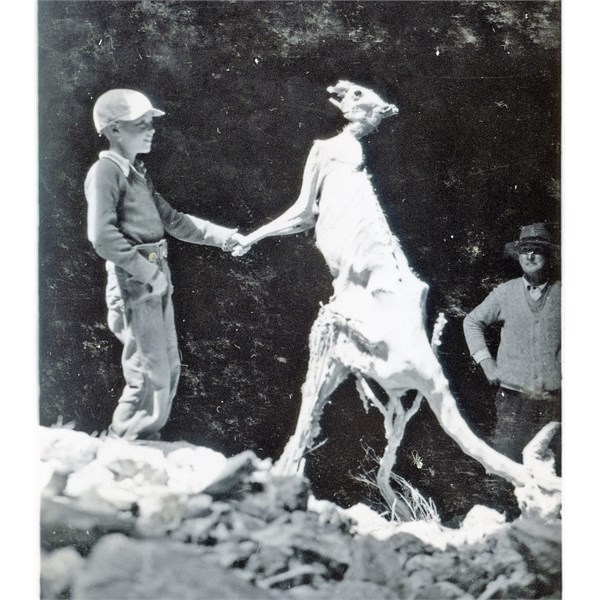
column 357, row 93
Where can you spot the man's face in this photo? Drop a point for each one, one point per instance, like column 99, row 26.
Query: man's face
column 533, row 260
column 136, row 136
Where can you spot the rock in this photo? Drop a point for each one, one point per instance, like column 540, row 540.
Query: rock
column 367, row 522
column 438, row 564
column 97, row 488
column 408, row 586
column 505, row 556
column 519, row 584
column 52, row 480
column 197, row 506
column 160, row 511
column 195, row 531
column 540, row 544
column 265, row 529
column 57, row 571
column 87, row 479
column 383, row 561
column 330, row 514
column 191, row 470
column 344, row 590
column 302, row 574
column 231, row 476
column 269, row 560
column 479, row 523
column 144, row 465
column 64, row 523
column 277, row 496
column 309, row 541
column 442, row 590
column 235, row 554
column 119, row 567
column 472, row 570
column 66, row 449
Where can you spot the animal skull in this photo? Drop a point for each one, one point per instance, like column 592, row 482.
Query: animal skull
column 360, row 104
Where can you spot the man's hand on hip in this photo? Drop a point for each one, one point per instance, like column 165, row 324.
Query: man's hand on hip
column 490, row 369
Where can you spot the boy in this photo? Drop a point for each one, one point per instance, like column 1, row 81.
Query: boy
column 127, row 219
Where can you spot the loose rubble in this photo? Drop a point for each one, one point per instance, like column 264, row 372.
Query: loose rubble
column 171, row 521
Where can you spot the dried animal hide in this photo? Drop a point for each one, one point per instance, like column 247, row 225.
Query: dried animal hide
column 373, row 325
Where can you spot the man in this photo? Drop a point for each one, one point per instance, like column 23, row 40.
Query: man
column 527, row 366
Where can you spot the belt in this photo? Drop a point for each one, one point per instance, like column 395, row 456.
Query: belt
column 553, row 395
column 153, row 252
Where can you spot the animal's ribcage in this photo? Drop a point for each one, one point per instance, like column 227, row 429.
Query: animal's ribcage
column 351, row 230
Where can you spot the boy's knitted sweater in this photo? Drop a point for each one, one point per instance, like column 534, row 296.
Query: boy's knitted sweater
column 529, row 353
column 124, row 210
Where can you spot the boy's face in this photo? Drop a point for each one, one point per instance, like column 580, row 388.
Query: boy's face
column 135, row 137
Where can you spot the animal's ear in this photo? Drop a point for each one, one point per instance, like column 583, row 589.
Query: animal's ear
column 340, row 88
column 388, row 110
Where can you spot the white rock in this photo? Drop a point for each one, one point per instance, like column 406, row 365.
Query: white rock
column 191, row 470
column 479, row 523
column 69, row 450
column 146, row 465
column 51, row 479
column 58, row 570
column 428, row 532
column 368, row 522
column 89, row 477
column 160, row 512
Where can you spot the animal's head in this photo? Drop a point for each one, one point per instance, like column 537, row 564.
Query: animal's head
column 360, row 104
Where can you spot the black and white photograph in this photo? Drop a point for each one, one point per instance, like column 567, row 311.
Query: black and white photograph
column 299, row 305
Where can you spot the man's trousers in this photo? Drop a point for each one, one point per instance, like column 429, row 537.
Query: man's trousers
column 519, row 417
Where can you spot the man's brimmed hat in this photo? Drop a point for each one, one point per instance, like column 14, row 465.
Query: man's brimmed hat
column 122, row 105
column 532, row 235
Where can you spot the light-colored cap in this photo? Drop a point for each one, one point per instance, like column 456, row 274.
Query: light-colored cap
column 122, row 105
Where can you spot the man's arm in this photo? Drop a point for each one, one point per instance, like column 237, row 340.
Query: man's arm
column 474, row 327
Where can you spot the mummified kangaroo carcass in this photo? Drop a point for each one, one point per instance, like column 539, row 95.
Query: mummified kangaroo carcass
column 373, row 325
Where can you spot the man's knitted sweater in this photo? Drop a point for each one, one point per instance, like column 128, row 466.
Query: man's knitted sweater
column 530, row 340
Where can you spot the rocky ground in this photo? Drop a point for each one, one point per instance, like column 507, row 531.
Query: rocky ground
column 171, row 521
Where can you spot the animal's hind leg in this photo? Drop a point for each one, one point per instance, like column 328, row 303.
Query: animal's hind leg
column 395, row 420
column 325, row 374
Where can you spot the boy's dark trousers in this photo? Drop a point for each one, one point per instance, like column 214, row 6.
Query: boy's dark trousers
column 144, row 323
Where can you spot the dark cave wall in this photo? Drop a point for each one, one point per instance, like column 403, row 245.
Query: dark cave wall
column 473, row 154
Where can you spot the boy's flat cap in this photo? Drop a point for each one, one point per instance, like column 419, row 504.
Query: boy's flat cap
column 122, row 105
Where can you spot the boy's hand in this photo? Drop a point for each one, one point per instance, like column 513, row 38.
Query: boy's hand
column 158, row 284
column 236, row 244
